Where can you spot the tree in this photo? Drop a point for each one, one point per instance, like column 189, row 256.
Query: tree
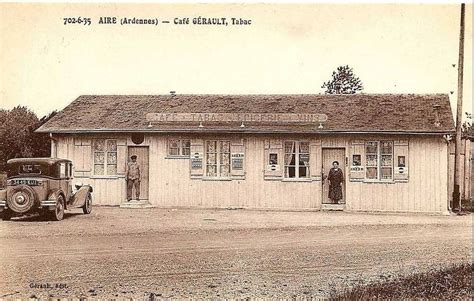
column 343, row 82
column 41, row 142
column 467, row 129
column 17, row 137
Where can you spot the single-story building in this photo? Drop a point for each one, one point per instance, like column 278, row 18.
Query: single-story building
column 262, row 151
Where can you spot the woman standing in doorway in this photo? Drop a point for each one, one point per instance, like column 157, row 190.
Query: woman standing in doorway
column 335, row 178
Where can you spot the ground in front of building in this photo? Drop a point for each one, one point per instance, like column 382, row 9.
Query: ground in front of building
column 221, row 253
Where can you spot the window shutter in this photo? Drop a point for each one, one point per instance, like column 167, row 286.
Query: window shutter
column 400, row 160
column 237, row 155
column 82, row 157
column 121, row 156
column 357, row 169
column 197, row 158
column 274, row 152
column 315, row 157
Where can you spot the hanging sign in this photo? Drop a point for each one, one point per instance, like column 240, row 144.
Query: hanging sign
column 196, row 161
column 357, row 168
column 237, row 161
column 273, row 167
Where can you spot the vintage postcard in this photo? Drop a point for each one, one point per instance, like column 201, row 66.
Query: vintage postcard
column 235, row 150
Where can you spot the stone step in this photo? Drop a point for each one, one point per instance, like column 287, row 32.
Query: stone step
column 334, row 207
column 136, row 204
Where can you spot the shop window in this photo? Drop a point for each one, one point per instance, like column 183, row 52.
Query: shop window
column 296, row 159
column 218, row 158
column 179, row 147
column 379, row 160
column 105, row 156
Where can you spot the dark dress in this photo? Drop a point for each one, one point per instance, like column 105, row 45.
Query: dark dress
column 335, row 178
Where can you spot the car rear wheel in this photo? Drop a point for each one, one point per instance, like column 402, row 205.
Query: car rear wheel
column 87, row 208
column 58, row 213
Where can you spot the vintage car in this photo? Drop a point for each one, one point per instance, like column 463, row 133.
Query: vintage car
column 42, row 185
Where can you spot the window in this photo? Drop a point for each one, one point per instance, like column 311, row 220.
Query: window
column 379, row 158
column 31, row 169
column 62, row 170
column 69, row 170
column 296, row 159
column 105, row 157
column 179, row 147
column 218, row 158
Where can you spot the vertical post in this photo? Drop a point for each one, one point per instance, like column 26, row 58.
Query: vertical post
column 457, row 156
column 53, row 146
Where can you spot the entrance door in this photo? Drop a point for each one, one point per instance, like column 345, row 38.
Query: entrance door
column 142, row 158
column 330, row 155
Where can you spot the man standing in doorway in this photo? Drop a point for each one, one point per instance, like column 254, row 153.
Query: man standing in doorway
column 132, row 176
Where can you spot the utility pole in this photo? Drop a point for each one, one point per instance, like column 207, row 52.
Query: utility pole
column 457, row 156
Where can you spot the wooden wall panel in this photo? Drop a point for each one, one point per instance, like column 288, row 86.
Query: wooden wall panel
column 171, row 184
column 425, row 190
column 253, row 192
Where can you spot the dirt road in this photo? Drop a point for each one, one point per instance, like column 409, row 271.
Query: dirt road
column 220, row 253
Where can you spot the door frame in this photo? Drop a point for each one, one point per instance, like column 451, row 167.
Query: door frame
column 128, row 158
column 343, row 169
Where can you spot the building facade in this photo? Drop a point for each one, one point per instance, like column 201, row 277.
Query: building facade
column 262, row 151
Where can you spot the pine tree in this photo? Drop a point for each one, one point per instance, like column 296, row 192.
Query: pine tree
column 343, row 82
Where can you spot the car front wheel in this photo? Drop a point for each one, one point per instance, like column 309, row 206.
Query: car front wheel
column 58, row 213
column 87, row 208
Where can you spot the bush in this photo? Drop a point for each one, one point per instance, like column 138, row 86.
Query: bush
column 448, row 284
column 3, row 179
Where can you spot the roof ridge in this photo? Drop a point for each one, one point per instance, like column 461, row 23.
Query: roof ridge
column 259, row 94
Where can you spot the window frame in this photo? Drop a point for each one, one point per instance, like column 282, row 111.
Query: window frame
column 106, row 155
column 379, row 166
column 180, row 148
column 297, row 166
column 63, row 172
column 218, row 163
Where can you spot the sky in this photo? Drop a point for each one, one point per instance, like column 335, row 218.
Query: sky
column 287, row 49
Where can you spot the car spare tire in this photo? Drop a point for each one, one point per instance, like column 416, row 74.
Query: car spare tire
column 21, row 199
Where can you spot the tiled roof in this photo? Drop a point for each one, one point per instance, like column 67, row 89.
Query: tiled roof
column 346, row 113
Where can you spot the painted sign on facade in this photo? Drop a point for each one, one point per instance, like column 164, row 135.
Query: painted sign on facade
column 236, row 117
column 238, row 161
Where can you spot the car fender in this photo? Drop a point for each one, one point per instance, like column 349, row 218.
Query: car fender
column 3, row 199
column 79, row 198
column 54, row 194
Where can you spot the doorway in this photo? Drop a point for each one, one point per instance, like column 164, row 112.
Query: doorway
column 330, row 155
column 142, row 158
